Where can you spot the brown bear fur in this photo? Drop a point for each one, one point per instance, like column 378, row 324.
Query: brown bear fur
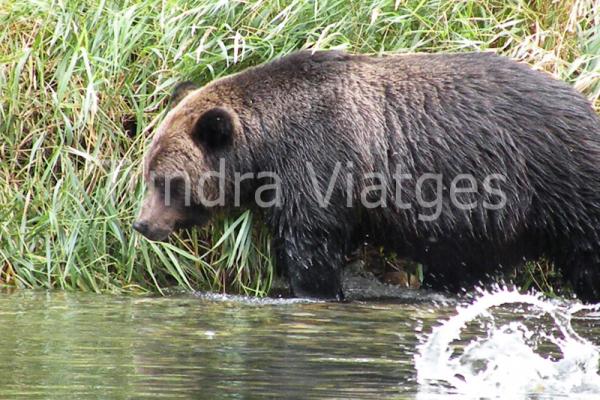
column 447, row 114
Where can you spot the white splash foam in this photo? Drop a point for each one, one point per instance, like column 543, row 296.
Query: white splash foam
column 233, row 298
column 504, row 362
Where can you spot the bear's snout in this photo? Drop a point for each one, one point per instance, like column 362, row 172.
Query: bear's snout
column 145, row 229
column 141, row 227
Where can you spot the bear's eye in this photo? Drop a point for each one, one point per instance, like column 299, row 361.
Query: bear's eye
column 170, row 188
column 159, row 183
column 175, row 187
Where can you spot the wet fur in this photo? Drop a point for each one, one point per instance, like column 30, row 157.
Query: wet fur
column 451, row 114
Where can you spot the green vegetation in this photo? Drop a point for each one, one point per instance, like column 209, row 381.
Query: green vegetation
column 83, row 83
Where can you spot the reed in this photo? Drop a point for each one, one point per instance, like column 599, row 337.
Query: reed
column 83, row 84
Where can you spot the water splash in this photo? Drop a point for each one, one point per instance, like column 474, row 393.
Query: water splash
column 250, row 300
column 528, row 349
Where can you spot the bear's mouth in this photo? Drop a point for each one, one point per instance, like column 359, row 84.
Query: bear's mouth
column 157, row 235
column 199, row 217
column 160, row 231
column 151, row 233
column 161, row 235
column 186, row 225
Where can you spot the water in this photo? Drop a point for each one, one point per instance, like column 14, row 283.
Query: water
column 57, row 345
column 529, row 348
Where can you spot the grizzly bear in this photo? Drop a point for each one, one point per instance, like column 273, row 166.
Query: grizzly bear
column 466, row 163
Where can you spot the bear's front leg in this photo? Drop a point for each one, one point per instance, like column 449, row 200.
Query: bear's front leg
column 582, row 270
column 312, row 264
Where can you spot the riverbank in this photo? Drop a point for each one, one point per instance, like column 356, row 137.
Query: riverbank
column 82, row 85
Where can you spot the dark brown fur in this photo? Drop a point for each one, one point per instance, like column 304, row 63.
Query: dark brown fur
column 451, row 114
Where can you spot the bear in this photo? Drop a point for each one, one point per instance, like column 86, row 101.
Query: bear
column 468, row 163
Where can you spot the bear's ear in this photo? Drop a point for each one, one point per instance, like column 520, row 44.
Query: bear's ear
column 181, row 90
column 214, row 129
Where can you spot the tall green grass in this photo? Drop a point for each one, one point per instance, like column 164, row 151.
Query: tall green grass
column 83, row 84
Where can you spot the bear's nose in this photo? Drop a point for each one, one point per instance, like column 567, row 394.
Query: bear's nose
column 141, row 227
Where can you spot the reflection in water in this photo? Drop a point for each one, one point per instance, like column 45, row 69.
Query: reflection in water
column 73, row 345
column 59, row 344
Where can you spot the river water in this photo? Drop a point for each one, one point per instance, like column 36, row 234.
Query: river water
column 58, row 345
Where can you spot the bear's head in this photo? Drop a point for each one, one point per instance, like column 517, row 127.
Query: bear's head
column 190, row 150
